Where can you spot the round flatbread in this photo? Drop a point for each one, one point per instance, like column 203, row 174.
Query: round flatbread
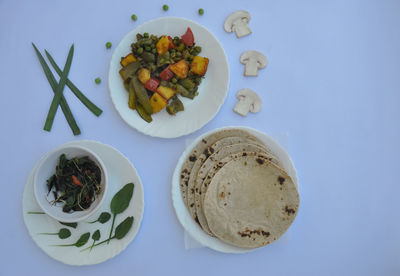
column 250, row 202
column 201, row 150
column 221, row 152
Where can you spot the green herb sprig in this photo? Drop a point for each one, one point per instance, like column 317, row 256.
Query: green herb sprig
column 95, row 237
column 80, row 242
column 120, row 202
column 103, row 218
column 62, row 234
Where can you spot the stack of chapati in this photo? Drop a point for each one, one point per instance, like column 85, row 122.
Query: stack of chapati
column 236, row 189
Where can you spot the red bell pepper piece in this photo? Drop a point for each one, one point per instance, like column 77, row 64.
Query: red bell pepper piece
column 188, row 37
column 76, row 181
column 152, row 84
column 166, row 74
column 171, row 43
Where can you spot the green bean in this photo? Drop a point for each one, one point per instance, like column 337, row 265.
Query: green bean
column 141, row 95
column 132, row 96
column 142, row 112
column 148, row 57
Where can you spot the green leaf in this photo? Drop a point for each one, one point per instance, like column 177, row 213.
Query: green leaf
column 59, row 91
column 96, row 235
column 64, row 233
column 123, row 228
column 121, row 200
column 69, row 224
column 91, row 106
column 63, row 103
column 103, row 218
column 81, row 241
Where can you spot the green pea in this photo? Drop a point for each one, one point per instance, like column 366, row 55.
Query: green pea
column 174, row 80
column 197, row 49
column 147, row 48
column 97, row 80
column 134, row 17
column 108, row 45
column 140, row 50
column 146, row 35
column 165, row 7
column 154, row 50
column 201, row 11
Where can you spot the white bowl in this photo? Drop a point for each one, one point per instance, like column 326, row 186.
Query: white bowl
column 47, row 167
column 199, row 111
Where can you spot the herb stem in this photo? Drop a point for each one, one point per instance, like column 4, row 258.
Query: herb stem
column 35, row 213
column 53, row 83
column 89, row 104
column 59, row 91
column 112, row 227
column 107, row 240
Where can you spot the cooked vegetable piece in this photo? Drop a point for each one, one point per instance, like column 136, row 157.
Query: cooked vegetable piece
column 166, row 92
column 180, row 69
column 132, row 96
column 144, row 75
column 141, row 95
column 163, row 45
column 188, row 37
column 128, row 59
column 182, row 90
column 129, row 71
column 152, row 84
column 157, row 102
column 148, row 57
column 175, row 106
column 166, row 74
column 188, row 84
column 199, row 65
column 145, row 116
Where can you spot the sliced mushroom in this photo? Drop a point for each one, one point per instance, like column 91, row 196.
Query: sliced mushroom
column 253, row 61
column 248, row 101
column 237, row 22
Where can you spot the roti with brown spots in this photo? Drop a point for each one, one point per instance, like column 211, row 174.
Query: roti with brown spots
column 250, row 202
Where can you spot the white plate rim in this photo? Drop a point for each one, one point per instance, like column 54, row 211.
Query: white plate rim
column 182, row 213
column 139, row 205
column 113, row 72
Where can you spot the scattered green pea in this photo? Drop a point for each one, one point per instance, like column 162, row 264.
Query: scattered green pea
column 97, row 80
column 201, row 11
column 165, row 7
column 146, row 35
column 134, row 17
column 108, row 45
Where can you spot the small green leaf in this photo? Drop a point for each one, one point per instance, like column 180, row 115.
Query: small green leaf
column 83, row 240
column 70, row 224
column 123, row 228
column 64, row 233
column 96, row 235
column 103, row 218
column 121, row 200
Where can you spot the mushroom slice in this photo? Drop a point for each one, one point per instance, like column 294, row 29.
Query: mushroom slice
column 237, row 22
column 248, row 101
column 253, row 61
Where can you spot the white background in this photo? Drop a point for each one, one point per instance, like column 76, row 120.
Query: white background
column 332, row 85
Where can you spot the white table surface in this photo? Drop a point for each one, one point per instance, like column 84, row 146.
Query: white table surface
column 332, row 85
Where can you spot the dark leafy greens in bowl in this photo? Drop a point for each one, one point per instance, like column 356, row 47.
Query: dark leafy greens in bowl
column 158, row 69
column 75, row 184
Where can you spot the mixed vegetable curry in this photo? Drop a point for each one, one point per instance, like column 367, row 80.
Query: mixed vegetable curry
column 159, row 69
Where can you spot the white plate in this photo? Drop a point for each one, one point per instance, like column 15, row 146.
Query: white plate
column 182, row 212
column 121, row 172
column 200, row 110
